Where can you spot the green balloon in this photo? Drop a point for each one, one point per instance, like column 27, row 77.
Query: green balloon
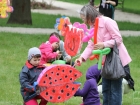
column 59, row 62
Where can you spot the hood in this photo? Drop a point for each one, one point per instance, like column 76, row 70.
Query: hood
column 44, row 45
column 93, row 72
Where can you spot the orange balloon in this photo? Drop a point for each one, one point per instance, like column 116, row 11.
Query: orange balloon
column 73, row 40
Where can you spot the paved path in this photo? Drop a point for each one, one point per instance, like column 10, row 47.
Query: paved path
column 45, row 31
column 71, row 10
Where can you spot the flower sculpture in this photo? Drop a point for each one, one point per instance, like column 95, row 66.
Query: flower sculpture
column 4, row 8
column 62, row 23
column 73, row 40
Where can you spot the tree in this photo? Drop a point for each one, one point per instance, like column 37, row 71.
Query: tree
column 21, row 13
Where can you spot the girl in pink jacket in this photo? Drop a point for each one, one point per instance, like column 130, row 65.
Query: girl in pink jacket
column 48, row 50
column 107, row 32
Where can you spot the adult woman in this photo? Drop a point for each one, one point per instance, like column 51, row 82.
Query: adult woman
column 107, row 32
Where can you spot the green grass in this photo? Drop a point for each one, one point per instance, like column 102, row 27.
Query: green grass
column 48, row 21
column 129, row 5
column 13, row 54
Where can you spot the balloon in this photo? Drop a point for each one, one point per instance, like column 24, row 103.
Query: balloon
column 101, row 53
column 88, row 36
column 59, row 80
column 73, row 40
column 4, row 8
column 59, row 62
column 81, row 26
column 96, row 30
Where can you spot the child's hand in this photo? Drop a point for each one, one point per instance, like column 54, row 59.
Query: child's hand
column 40, row 89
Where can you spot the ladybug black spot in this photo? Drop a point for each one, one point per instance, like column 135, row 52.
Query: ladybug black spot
column 46, row 93
column 63, row 70
column 68, row 94
column 66, row 76
column 59, row 97
column 53, row 91
column 70, row 71
column 62, row 91
column 50, row 97
column 67, row 86
column 75, row 75
column 50, row 78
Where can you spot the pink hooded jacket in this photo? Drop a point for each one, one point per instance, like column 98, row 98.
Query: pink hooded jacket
column 47, row 52
column 107, row 32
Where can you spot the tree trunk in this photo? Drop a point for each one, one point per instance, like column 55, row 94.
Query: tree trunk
column 21, row 13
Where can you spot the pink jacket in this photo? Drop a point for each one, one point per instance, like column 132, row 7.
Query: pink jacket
column 107, row 32
column 47, row 52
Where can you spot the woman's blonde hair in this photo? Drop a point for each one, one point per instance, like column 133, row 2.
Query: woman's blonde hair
column 90, row 13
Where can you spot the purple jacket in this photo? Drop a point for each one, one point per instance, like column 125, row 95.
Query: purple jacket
column 90, row 92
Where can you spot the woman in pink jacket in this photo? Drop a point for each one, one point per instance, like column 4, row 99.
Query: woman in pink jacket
column 107, row 32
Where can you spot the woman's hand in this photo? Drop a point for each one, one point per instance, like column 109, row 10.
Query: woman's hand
column 98, row 46
column 78, row 61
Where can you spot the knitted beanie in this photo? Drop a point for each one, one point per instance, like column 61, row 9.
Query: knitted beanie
column 53, row 39
column 32, row 52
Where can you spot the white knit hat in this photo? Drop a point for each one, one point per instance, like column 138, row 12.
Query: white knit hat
column 32, row 52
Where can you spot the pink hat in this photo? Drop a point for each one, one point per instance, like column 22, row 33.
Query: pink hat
column 53, row 39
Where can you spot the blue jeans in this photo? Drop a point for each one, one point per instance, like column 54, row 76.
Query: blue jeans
column 112, row 91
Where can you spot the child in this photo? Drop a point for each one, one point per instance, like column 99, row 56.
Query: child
column 48, row 50
column 29, row 75
column 90, row 92
column 65, row 56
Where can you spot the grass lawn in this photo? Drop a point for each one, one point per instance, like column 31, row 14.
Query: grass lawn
column 48, row 21
column 129, row 6
column 13, row 54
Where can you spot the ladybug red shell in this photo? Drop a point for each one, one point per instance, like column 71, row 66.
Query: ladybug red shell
column 59, row 82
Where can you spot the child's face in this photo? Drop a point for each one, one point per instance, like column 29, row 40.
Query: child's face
column 55, row 45
column 35, row 61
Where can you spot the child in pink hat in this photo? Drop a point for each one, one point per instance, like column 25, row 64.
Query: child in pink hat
column 48, row 50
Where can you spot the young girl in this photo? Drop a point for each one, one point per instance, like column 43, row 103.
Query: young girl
column 89, row 92
column 107, row 32
column 49, row 50
column 29, row 75
column 61, row 48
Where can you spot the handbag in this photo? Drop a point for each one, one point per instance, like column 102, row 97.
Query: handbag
column 113, row 68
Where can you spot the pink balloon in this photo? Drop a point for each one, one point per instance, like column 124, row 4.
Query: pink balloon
column 89, row 35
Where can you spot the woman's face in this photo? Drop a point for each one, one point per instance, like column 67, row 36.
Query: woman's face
column 83, row 18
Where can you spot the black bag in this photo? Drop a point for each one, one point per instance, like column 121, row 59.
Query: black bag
column 113, row 68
